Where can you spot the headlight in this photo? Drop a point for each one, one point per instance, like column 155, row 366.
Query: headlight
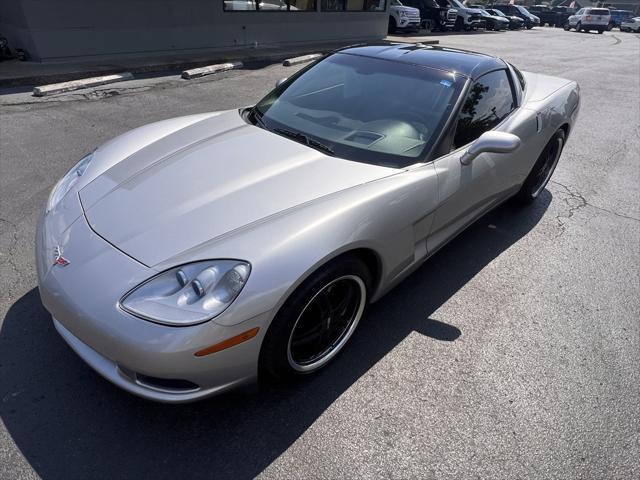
column 189, row 294
column 403, row 13
column 67, row 182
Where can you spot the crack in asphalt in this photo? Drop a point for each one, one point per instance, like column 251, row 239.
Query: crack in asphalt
column 582, row 202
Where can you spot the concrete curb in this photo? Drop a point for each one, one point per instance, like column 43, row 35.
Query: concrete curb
column 303, row 59
column 210, row 69
column 54, row 88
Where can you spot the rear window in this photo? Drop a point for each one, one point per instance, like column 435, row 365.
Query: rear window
column 599, row 11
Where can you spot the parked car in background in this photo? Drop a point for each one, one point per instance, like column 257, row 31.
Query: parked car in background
column 518, row 11
column 435, row 15
column 630, row 25
column 563, row 14
column 618, row 16
column 468, row 18
column 402, row 17
column 492, row 22
column 545, row 13
column 536, row 20
column 515, row 23
column 587, row 19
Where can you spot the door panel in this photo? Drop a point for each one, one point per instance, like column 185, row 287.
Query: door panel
column 467, row 191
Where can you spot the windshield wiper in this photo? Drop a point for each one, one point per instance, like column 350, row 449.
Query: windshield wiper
column 310, row 142
column 258, row 118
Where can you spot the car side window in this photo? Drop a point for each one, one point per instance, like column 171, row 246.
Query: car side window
column 489, row 100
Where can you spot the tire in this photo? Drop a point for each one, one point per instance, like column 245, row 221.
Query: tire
column 529, row 27
column 542, row 170
column 600, row 31
column 304, row 312
column 459, row 25
column 578, row 27
column 567, row 27
column 393, row 25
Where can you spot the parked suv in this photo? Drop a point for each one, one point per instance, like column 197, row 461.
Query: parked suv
column 619, row 16
column 545, row 13
column 563, row 14
column 434, row 14
column 587, row 19
column 402, row 17
column 468, row 18
column 518, row 11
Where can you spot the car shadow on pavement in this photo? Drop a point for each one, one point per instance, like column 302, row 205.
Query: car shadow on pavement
column 70, row 423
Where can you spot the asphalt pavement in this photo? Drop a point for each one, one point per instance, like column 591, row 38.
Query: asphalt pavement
column 514, row 353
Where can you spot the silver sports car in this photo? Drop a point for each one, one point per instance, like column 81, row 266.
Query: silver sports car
column 192, row 255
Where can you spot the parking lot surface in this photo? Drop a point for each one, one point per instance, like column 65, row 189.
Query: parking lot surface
column 513, row 353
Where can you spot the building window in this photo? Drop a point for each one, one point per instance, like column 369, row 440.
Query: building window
column 332, row 5
column 353, row 5
column 269, row 5
column 302, row 5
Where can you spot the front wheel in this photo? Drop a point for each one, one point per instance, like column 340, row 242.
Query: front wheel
column 600, row 31
column 578, row 27
column 544, row 167
column 567, row 27
column 316, row 321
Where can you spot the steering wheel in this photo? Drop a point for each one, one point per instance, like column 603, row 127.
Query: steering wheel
column 416, row 121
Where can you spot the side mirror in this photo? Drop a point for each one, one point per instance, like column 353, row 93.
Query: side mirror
column 281, row 81
column 490, row 142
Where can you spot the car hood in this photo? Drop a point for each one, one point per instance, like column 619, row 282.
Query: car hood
column 206, row 180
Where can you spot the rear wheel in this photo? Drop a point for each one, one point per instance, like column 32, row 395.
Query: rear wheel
column 567, row 27
column 600, row 31
column 316, row 321
column 543, row 169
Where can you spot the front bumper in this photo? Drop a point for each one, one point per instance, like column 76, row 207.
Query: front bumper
column 409, row 24
column 147, row 359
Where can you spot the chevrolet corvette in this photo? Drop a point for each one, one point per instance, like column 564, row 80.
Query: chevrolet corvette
column 199, row 253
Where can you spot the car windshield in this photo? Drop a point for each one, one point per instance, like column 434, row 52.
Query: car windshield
column 522, row 10
column 497, row 12
column 599, row 11
column 363, row 109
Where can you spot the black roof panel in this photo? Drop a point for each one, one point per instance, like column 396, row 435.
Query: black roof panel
column 469, row 64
